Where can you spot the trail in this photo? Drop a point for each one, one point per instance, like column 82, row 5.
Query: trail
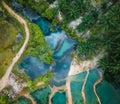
column 54, row 90
column 4, row 79
column 68, row 91
column 83, row 93
column 30, row 97
column 94, row 87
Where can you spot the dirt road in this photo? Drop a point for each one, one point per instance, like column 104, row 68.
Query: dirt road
column 4, row 79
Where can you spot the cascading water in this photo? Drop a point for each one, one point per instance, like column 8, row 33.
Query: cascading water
column 62, row 47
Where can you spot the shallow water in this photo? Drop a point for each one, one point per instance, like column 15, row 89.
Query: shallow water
column 34, row 67
column 92, row 78
column 55, row 38
column 59, row 98
column 43, row 24
column 76, row 87
column 41, row 96
column 65, row 48
column 22, row 100
column 61, row 69
column 108, row 94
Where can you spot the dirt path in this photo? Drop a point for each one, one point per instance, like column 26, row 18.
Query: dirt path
column 30, row 97
column 54, row 90
column 83, row 93
column 69, row 96
column 4, row 79
column 94, row 87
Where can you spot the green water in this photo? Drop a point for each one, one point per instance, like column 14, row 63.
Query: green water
column 108, row 94
column 89, row 92
column 59, row 98
column 78, row 77
column 76, row 87
column 22, row 100
column 41, row 96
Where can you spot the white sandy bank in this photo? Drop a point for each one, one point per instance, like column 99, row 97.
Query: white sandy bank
column 76, row 67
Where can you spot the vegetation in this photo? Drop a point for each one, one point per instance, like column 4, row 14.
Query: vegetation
column 73, row 9
column 104, row 32
column 37, row 46
column 41, row 7
column 4, row 99
column 87, row 21
column 32, row 84
column 9, row 28
column 88, row 48
column 109, row 27
column 50, row 1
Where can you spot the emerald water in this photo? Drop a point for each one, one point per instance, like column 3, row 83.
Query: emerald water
column 62, row 47
column 59, row 98
column 34, row 67
column 90, row 95
column 41, row 96
column 22, row 100
column 44, row 25
column 108, row 94
column 76, row 87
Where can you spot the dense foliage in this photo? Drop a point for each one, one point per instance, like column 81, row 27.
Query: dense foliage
column 73, row 9
column 107, row 28
column 87, row 21
column 88, row 48
column 4, row 99
column 105, row 34
column 37, row 46
column 50, row 1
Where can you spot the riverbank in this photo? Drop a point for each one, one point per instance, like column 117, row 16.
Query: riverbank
column 80, row 66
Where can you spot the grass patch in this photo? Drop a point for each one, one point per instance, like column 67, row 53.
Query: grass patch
column 9, row 28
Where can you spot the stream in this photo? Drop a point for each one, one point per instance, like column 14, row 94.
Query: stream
column 62, row 46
